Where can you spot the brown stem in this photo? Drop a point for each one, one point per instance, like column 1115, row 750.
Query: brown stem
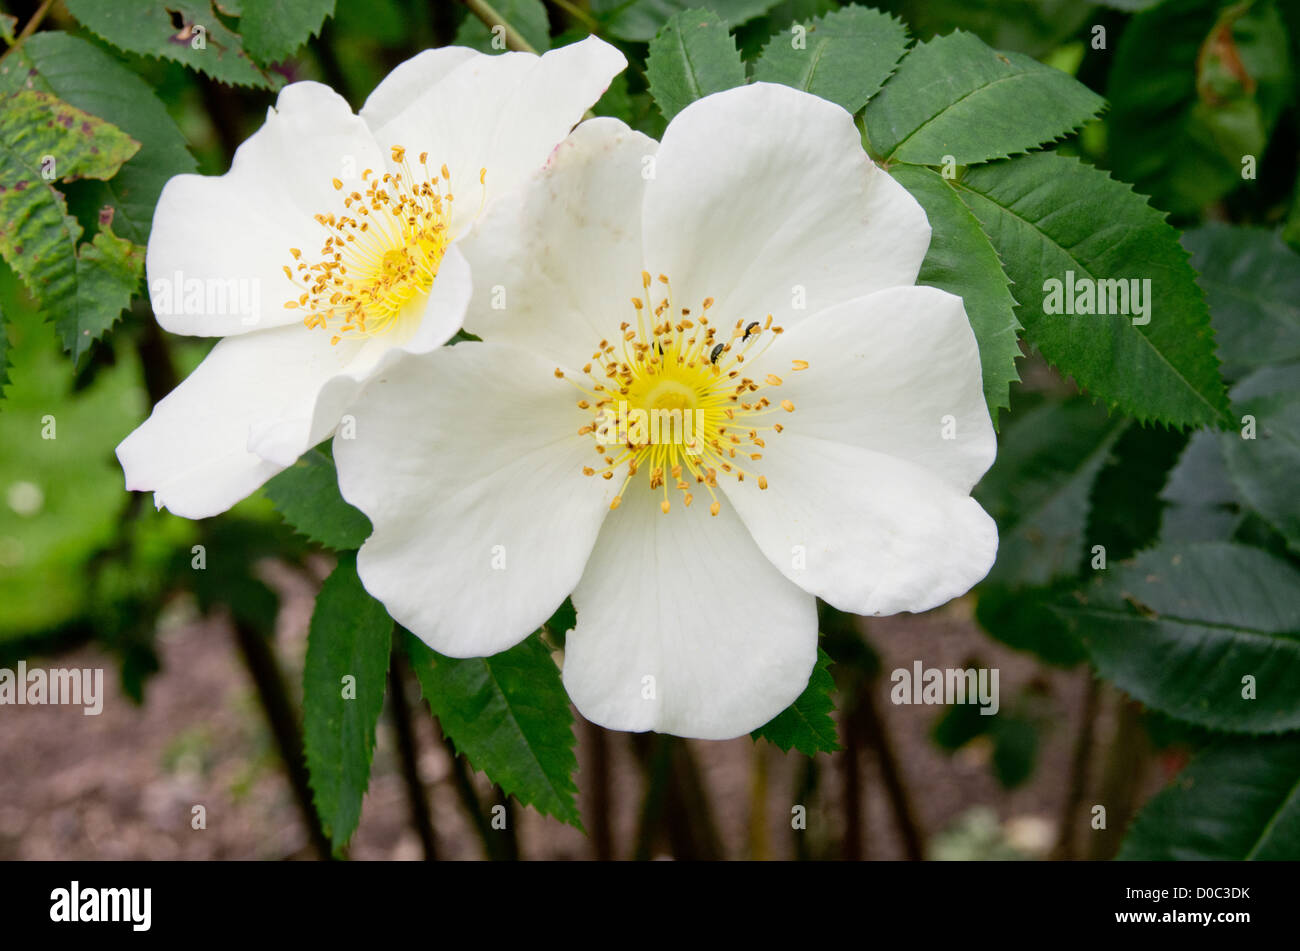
column 409, row 755
column 1125, row 771
column 30, row 28
column 891, row 774
column 1080, row 765
column 271, row 691
column 598, row 786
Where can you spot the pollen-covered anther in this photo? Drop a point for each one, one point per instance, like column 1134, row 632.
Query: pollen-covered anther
column 665, row 397
column 381, row 252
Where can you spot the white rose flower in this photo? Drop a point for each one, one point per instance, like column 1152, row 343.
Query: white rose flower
column 331, row 246
column 754, row 272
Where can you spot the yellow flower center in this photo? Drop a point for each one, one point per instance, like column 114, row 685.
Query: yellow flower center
column 380, row 256
column 669, row 397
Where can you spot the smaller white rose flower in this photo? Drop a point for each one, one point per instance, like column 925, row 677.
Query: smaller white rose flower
column 331, row 246
column 749, row 285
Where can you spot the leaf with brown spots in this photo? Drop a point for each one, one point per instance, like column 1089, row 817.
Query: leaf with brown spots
column 43, row 141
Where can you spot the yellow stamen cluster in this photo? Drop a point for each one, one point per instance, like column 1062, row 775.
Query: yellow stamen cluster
column 686, row 377
column 380, row 254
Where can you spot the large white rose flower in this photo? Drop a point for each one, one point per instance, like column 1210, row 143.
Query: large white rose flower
column 330, row 246
column 756, row 269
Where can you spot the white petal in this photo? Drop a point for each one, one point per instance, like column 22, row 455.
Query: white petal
column 411, row 79
column 500, row 113
column 555, row 264
column 683, row 626
column 764, row 199
column 193, row 451
column 897, row 372
column 468, row 463
column 867, row 532
column 215, row 238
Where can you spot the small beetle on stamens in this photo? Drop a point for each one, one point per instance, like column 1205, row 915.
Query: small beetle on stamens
column 717, row 352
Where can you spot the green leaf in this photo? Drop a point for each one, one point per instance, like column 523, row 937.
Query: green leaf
column 1039, row 486
column 509, row 715
column 526, row 16
column 307, row 495
column 1200, row 504
column 83, row 289
column 1193, row 91
column 4, row 352
column 7, row 24
column 954, row 99
column 1239, row 799
column 962, row 261
column 1124, row 506
column 83, row 75
column 343, row 682
column 806, row 724
column 691, row 57
column 845, row 56
column 200, row 40
column 1251, row 280
column 1181, row 627
column 1024, row 618
column 640, row 20
column 1263, row 469
column 275, row 29
column 1164, row 370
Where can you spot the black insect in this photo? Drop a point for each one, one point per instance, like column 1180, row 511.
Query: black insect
column 751, row 329
column 713, row 357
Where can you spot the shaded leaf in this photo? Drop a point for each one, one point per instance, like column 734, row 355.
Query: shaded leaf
column 1251, row 280
column 1239, row 799
column 642, row 19
column 1183, row 626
